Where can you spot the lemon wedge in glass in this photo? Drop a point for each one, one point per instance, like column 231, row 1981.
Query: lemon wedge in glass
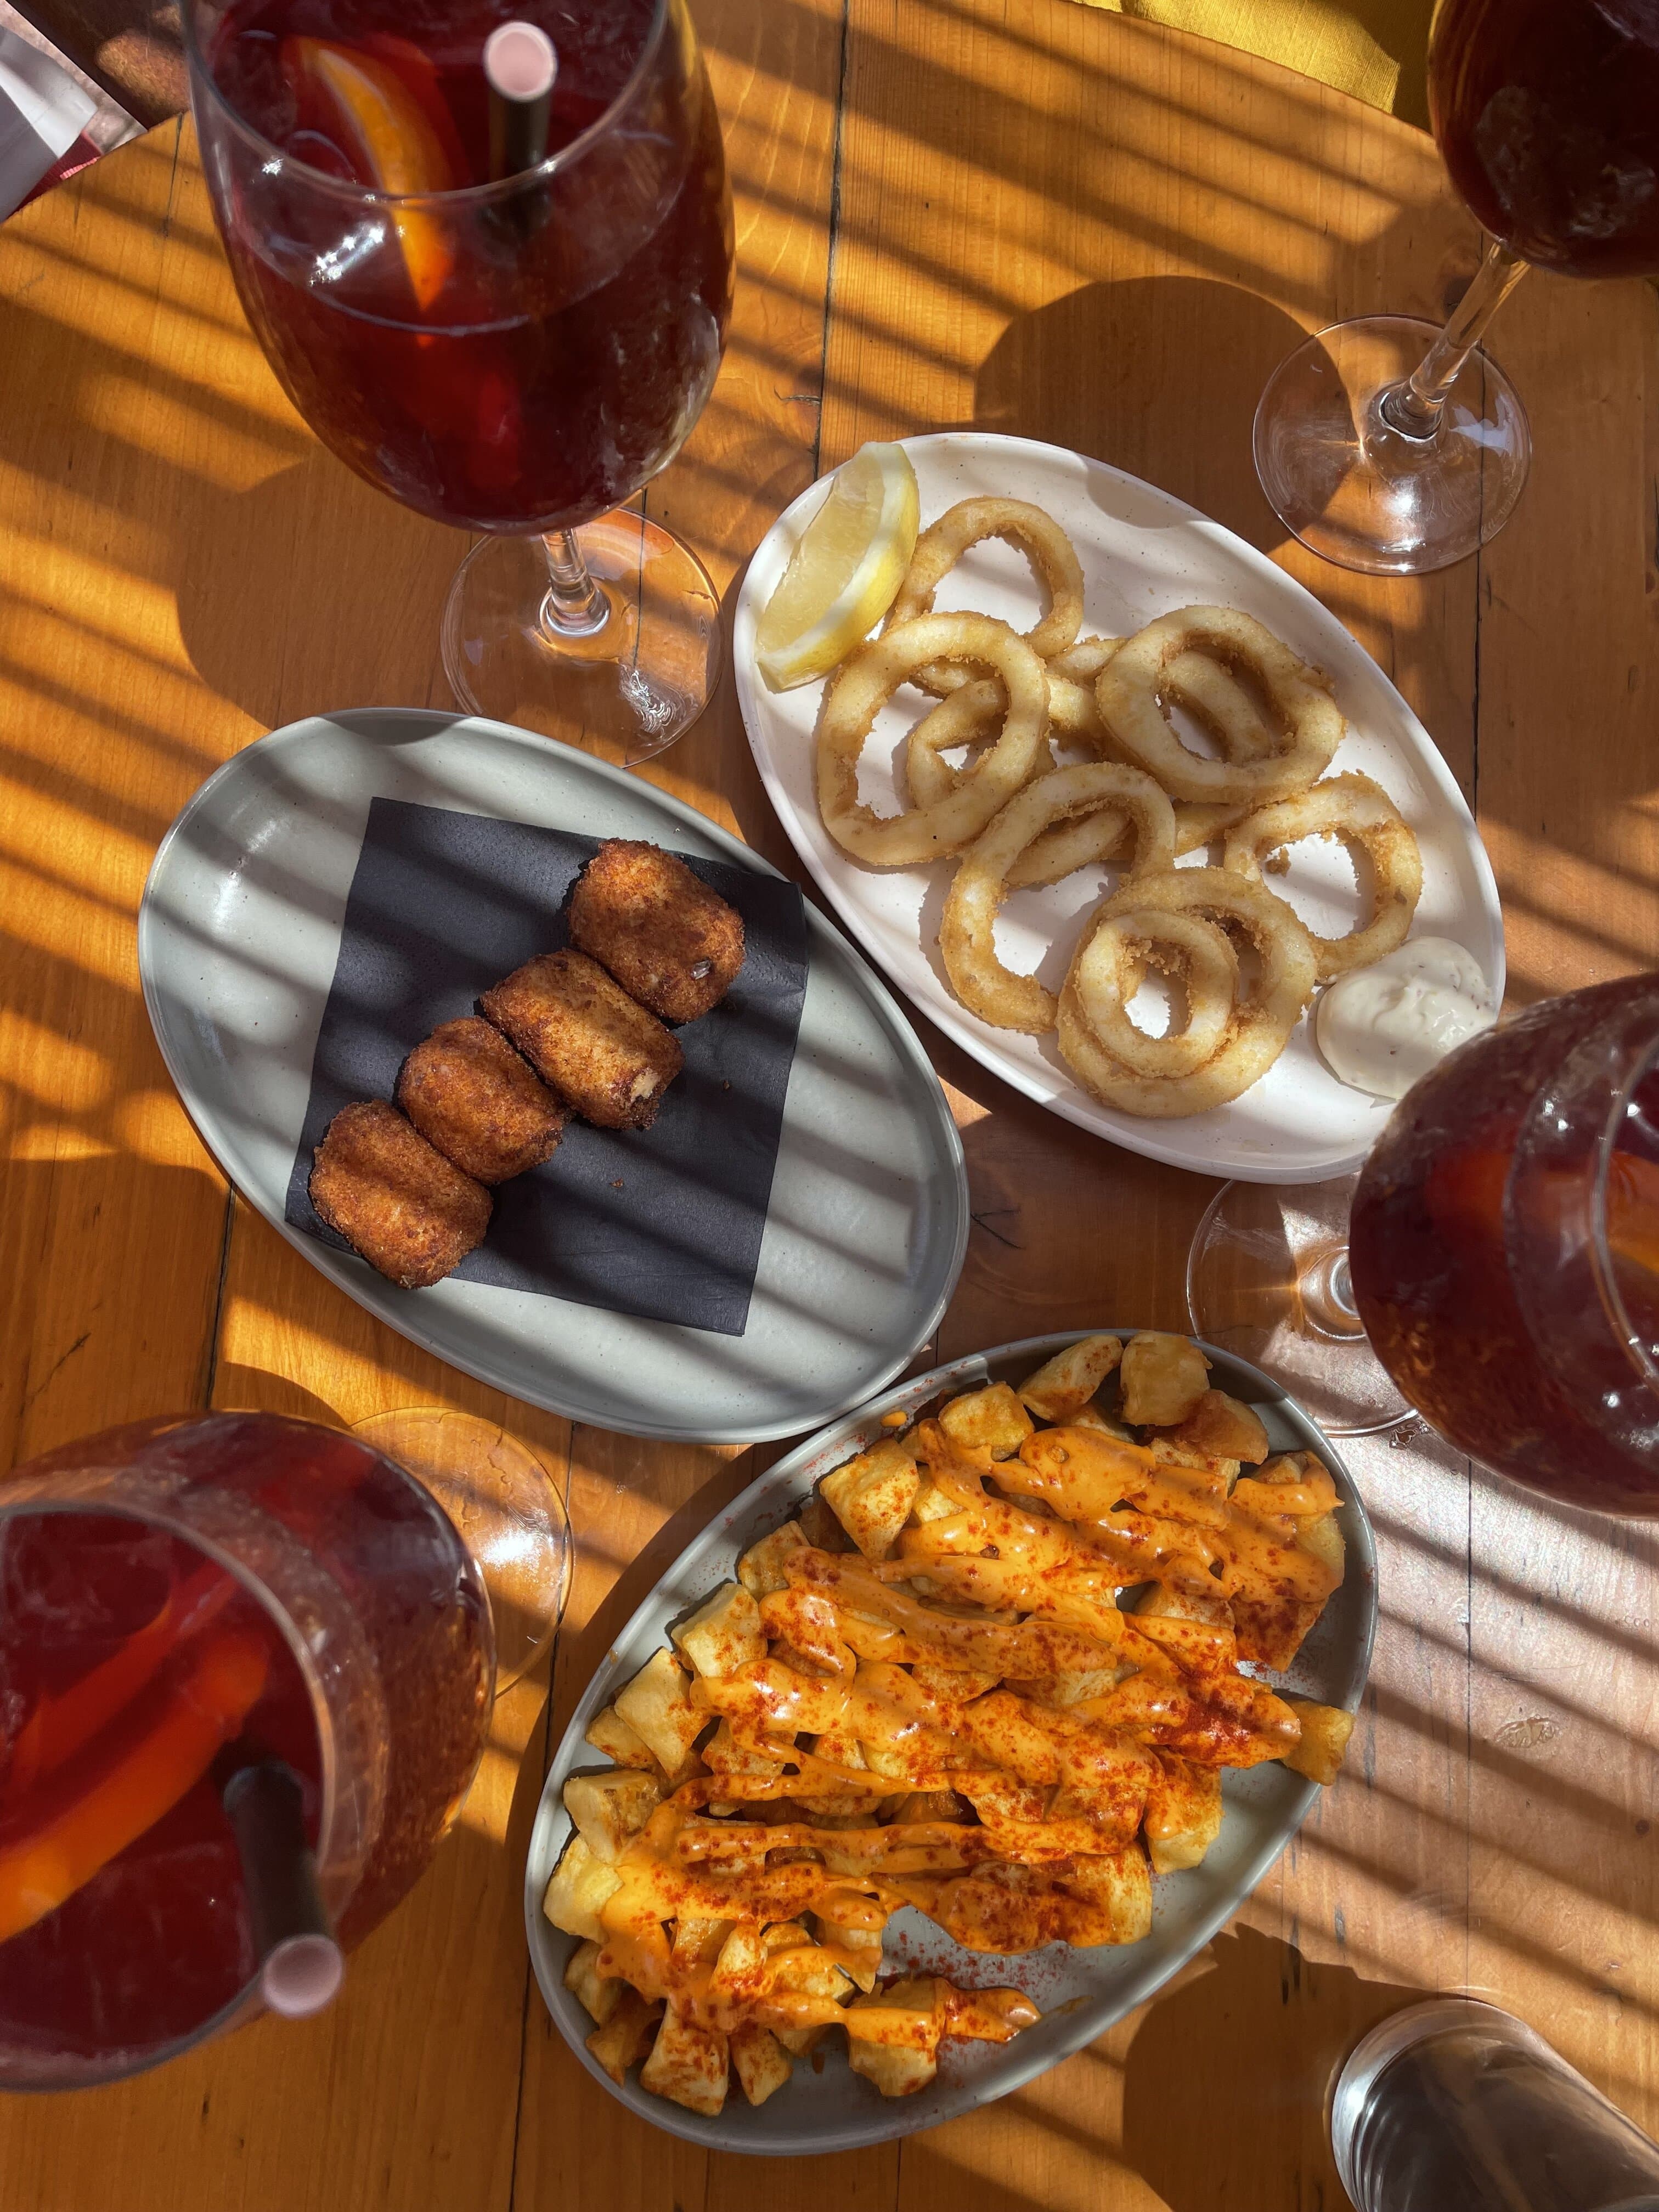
column 382, row 121
column 845, row 571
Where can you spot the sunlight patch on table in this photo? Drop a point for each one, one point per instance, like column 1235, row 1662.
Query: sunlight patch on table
column 48, row 1067
column 169, row 427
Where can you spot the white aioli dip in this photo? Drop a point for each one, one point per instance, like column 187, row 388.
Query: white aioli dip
column 1380, row 1028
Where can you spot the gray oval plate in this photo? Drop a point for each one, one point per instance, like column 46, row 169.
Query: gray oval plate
column 1081, row 1992
column 238, row 935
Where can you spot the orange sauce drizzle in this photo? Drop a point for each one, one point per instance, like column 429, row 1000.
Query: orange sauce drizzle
column 1040, row 1724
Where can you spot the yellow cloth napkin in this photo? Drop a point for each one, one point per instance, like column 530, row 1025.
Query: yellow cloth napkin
column 1374, row 49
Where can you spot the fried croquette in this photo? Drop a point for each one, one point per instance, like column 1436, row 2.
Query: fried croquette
column 397, row 1202
column 669, row 941
column 479, row 1101
column 606, row 1057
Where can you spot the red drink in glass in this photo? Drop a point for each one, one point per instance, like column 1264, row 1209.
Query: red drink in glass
column 177, row 1602
column 518, row 354
column 1504, row 1247
column 510, row 363
column 1546, row 113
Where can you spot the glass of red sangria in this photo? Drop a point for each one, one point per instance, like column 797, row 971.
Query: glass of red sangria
column 185, row 1605
column 515, row 351
column 1504, row 1247
column 1495, row 1263
column 1391, row 446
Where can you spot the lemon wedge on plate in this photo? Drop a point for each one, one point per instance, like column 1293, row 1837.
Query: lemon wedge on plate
column 845, row 572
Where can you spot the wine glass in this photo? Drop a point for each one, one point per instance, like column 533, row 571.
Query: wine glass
column 188, row 1605
column 1267, row 1278
column 1499, row 1261
column 1392, row 447
column 516, row 353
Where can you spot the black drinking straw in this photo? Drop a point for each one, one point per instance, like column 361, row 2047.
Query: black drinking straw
column 301, row 1965
column 519, row 67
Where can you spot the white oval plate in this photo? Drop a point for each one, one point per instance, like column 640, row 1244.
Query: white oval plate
column 867, row 1221
column 1081, row 1992
column 1143, row 554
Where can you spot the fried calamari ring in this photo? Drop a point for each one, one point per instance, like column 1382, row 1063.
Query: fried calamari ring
column 1111, row 965
column 1363, row 816
column 967, row 935
column 1216, row 700
column 971, row 713
column 1036, row 535
column 1069, row 846
column 1262, row 1023
column 1129, row 694
column 1083, row 661
column 862, row 686
column 1201, row 822
column 972, row 716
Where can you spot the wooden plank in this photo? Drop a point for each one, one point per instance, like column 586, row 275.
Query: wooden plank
column 111, row 1214
column 1568, row 626
column 1125, row 290
column 776, row 73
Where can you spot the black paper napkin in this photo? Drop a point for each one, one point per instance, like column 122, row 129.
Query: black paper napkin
column 664, row 1222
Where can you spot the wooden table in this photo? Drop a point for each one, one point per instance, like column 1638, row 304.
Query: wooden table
column 1021, row 213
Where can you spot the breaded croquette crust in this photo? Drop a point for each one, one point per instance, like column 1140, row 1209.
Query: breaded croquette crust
column 479, row 1101
column 669, row 941
column 606, row 1056
column 396, row 1200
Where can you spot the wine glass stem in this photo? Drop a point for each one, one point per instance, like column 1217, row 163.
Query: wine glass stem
column 575, row 605
column 1414, row 407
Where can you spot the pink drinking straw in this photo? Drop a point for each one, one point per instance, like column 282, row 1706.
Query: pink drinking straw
column 519, row 67
column 301, row 1965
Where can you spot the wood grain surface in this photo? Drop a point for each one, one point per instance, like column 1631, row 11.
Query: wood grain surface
column 1059, row 224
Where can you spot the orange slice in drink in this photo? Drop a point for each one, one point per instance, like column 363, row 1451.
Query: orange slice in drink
column 387, row 127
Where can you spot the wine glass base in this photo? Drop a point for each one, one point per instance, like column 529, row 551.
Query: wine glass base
column 1267, row 1279
column 625, row 689
column 1358, row 493
column 506, row 1511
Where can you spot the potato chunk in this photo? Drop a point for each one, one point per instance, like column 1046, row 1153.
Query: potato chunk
column 598, row 1996
column 609, row 1808
column 871, row 1495
column 657, row 1706
column 624, row 2039
column 1325, row 1733
column 801, row 2042
column 698, row 1941
column 1322, row 1534
column 988, row 1424
column 1119, row 1884
column 1162, row 1376
column 805, row 1970
column 724, row 1754
column 760, row 2060
column 1189, row 1602
column 1223, row 1428
column 933, row 1503
column 1063, row 1386
column 761, row 1568
column 609, row 1733
column 738, row 1971
column 688, row 2065
column 1090, row 1417
column 580, row 1886
column 724, row 1635
column 898, row 2046
column 1184, row 1813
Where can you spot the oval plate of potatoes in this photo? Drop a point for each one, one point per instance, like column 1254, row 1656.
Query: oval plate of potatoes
column 850, row 2021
